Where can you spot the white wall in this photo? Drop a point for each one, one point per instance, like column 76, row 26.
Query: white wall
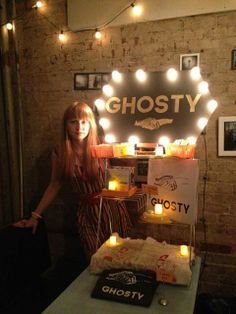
column 95, row 13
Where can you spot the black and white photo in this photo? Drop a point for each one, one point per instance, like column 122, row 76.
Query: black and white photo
column 189, row 61
column 80, row 81
column 227, row 136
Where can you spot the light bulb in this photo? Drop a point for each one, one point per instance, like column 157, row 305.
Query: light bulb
column 172, row 74
column 133, row 139
column 98, row 35
column 9, row 26
column 212, row 105
column 38, row 4
column 202, row 122
column 203, row 87
column 61, row 36
column 195, row 73
column 105, row 123
column 137, row 10
column 100, row 103
column 116, row 76
column 110, row 138
column 164, row 140
column 141, row 75
column 107, row 90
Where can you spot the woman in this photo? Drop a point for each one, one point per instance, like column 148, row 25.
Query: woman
column 74, row 166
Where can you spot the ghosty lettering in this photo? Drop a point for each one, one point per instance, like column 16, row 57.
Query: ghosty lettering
column 171, row 205
column 122, row 293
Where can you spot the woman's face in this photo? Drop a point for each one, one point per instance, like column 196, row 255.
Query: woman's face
column 78, row 129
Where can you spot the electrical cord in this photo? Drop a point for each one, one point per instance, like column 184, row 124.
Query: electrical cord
column 203, row 219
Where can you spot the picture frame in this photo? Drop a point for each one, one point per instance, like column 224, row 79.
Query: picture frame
column 188, row 61
column 91, row 81
column 80, row 81
column 227, row 136
column 233, row 60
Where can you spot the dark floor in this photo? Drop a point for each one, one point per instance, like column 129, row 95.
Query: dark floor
column 36, row 296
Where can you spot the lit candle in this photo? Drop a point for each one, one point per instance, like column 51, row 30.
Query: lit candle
column 184, row 250
column 112, row 240
column 112, row 185
column 158, row 210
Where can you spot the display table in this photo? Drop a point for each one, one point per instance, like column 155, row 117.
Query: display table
column 76, row 298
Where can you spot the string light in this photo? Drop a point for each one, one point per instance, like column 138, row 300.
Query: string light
column 98, row 34
column 136, row 9
column 105, row 123
column 9, row 26
column 202, row 122
column 37, row 5
column 61, row 36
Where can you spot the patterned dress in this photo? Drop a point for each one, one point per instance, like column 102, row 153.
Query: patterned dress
column 114, row 217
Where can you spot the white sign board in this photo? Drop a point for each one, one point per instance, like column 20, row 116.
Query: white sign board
column 177, row 181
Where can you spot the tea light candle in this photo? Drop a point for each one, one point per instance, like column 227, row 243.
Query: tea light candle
column 112, row 185
column 158, row 210
column 112, row 240
column 184, row 250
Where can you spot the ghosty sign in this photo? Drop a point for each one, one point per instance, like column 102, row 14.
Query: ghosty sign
column 154, row 108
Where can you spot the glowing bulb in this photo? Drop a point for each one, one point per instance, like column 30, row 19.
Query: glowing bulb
column 203, row 87
column 192, row 140
column 141, row 75
column 212, row 105
column 133, row 139
column 110, row 138
column 195, row 73
column 105, row 123
column 107, row 90
column 116, row 76
column 100, row 103
column 9, row 26
column 172, row 74
column 98, row 35
column 61, row 36
column 202, row 122
column 158, row 210
column 137, row 10
column 38, row 4
column 164, row 140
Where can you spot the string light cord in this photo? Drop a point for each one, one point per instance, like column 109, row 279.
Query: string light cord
column 203, row 219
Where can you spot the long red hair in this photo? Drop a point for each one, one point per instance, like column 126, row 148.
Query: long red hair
column 82, row 111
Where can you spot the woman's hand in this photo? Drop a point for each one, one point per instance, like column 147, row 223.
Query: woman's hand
column 27, row 223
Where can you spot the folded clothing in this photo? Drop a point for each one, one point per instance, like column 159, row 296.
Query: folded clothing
column 162, row 258
column 126, row 286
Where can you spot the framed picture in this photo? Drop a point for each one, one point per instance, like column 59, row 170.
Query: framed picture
column 80, row 81
column 106, row 78
column 188, row 61
column 94, row 81
column 88, row 81
column 227, row 136
column 233, row 60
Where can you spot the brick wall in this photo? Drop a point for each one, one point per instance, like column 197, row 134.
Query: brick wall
column 47, row 68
